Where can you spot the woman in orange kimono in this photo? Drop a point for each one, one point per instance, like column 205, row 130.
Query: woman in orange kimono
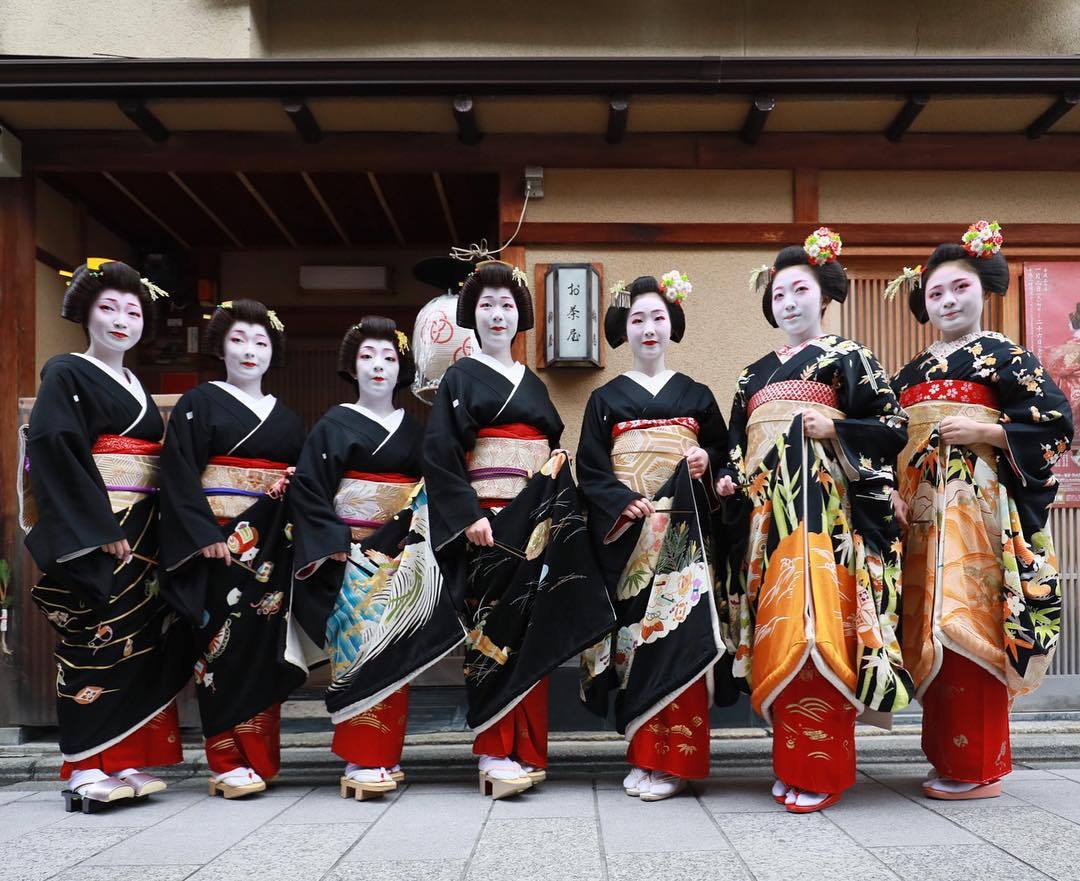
column 982, row 604
column 813, row 575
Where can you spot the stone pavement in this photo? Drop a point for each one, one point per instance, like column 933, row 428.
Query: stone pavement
column 569, row 829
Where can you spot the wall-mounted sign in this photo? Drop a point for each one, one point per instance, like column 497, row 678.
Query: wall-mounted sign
column 571, row 314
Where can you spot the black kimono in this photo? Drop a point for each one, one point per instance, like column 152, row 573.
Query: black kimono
column 123, row 654
column 242, row 610
column 382, row 615
column 667, row 636
column 536, row 598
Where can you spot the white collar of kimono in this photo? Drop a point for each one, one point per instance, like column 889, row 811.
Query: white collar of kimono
column 127, row 379
column 261, row 407
column 514, row 373
column 652, row 384
column 786, row 353
column 391, row 422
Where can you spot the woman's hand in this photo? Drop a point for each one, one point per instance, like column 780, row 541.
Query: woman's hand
column 963, row 431
column 339, row 557
column 218, row 551
column 900, row 509
column 725, row 486
column 480, row 534
column 119, row 549
column 818, row 425
column 698, row 460
column 639, row 508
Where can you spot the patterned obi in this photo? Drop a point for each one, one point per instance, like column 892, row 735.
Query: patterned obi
column 503, row 460
column 128, row 468
column 365, row 501
column 232, row 483
column 646, row 452
column 929, row 402
column 772, row 408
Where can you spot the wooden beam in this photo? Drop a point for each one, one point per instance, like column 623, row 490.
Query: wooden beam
column 1043, row 123
column 804, row 195
column 83, row 150
column 448, row 215
column 145, row 209
column 145, row 121
column 778, row 234
column 317, row 193
column 465, row 115
column 385, row 205
column 18, row 295
column 179, row 181
column 754, row 124
column 300, row 115
column 618, row 117
column 906, row 116
column 56, row 264
column 258, row 197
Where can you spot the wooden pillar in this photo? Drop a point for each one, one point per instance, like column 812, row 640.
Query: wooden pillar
column 511, row 199
column 804, row 196
column 17, row 369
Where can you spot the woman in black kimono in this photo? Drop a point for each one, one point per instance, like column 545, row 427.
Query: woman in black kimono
column 982, row 590
column 649, row 443
column 368, row 586
column 510, row 538
column 227, row 549
column 812, row 580
column 92, row 451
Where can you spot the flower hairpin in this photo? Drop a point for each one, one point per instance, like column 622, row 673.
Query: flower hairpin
column 402, row 342
column 154, row 291
column 983, row 239
column 519, row 276
column 675, row 286
column 822, row 246
column 620, row 295
column 908, row 280
column 275, row 322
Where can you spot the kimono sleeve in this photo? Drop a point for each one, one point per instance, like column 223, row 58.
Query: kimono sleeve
column 1038, row 429
column 606, row 495
column 733, row 464
column 712, row 437
column 317, row 530
column 874, row 429
column 187, row 523
column 451, row 432
column 74, row 514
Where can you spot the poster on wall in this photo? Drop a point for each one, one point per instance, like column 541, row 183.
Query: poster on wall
column 1052, row 332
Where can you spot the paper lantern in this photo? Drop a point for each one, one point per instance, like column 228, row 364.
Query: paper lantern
column 438, row 342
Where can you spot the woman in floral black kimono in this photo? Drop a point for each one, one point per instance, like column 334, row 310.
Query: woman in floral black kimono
column 982, row 597
column 813, row 580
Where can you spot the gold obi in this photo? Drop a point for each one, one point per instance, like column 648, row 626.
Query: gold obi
column 365, row 504
column 925, row 416
column 500, row 467
column 232, row 489
column 772, row 419
column 644, row 456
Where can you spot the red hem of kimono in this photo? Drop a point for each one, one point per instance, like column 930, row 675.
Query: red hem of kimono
column 254, row 744
column 376, row 737
column 813, row 734
column 156, row 742
column 965, row 729
column 522, row 733
column 676, row 739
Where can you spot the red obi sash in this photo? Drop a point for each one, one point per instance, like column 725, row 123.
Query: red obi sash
column 380, row 477
column 795, row 390
column 519, row 431
column 959, row 391
column 119, row 444
column 687, row 422
column 515, row 430
column 241, row 462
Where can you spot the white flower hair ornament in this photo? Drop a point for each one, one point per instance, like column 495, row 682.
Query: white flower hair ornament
column 823, row 246
column 983, row 239
column 675, row 286
column 759, row 278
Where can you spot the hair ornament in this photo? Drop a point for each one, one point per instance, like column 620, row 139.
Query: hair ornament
column 402, row 341
column 154, row 291
column 620, row 295
column 675, row 286
column 760, row 278
column 93, row 266
column 275, row 322
column 907, row 281
column 823, row 246
column 983, row 239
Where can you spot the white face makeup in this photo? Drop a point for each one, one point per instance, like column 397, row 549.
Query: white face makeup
column 377, row 370
column 114, row 323
column 248, row 351
column 796, row 303
column 954, row 299
column 648, row 328
column 496, row 320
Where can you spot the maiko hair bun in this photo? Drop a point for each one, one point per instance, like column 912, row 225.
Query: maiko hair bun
column 250, row 312
column 820, row 253
column 495, row 274
column 375, row 327
column 672, row 288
